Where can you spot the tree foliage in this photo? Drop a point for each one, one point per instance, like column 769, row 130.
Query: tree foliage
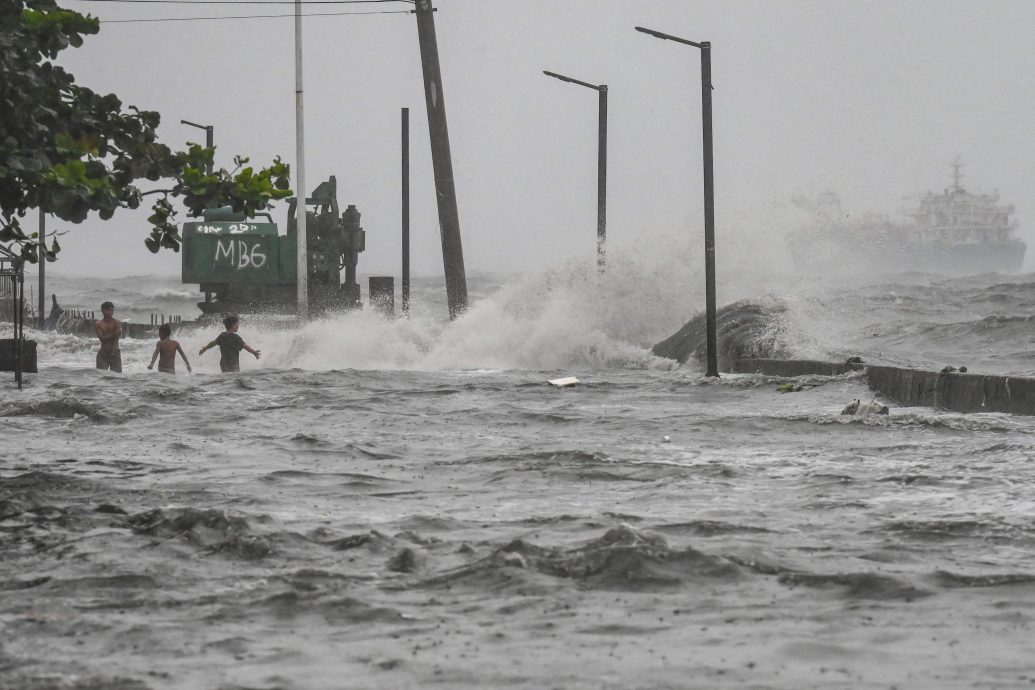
column 71, row 151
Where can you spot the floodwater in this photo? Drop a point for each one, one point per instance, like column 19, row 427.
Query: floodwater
column 407, row 504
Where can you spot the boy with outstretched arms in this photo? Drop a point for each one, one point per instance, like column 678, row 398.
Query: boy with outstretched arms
column 165, row 352
column 230, row 346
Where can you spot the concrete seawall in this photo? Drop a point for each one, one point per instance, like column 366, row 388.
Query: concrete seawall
column 793, row 367
column 916, row 387
column 954, row 391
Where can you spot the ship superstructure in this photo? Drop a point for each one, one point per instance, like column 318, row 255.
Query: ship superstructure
column 958, row 217
column 956, row 232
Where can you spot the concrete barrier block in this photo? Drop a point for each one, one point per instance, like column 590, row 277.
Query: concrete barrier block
column 9, row 357
column 915, row 387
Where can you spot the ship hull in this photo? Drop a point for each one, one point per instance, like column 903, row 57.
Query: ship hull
column 945, row 259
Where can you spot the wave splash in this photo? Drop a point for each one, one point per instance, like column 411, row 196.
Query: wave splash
column 570, row 317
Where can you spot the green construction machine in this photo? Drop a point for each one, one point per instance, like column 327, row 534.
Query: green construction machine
column 247, row 266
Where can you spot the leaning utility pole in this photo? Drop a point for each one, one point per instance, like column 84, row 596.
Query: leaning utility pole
column 445, row 190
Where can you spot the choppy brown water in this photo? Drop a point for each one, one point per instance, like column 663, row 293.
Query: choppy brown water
column 470, row 529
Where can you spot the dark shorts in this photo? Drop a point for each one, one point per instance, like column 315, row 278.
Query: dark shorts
column 110, row 360
column 227, row 367
column 164, row 370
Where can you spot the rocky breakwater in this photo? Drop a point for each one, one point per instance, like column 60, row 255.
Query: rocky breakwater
column 744, row 330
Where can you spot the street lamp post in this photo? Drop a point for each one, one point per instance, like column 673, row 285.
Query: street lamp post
column 43, row 267
column 601, row 90
column 709, row 189
column 209, row 136
column 301, row 212
column 405, row 145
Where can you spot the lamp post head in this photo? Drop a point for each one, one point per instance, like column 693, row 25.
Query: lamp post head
column 651, row 32
column 669, row 37
column 595, row 87
column 207, row 128
column 555, row 75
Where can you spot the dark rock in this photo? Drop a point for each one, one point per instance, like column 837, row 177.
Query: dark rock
column 742, row 330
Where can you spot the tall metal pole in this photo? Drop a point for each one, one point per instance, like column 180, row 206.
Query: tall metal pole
column 601, row 90
column 602, row 179
column 19, row 327
column 209, row 138
column 445, row 189
column 209, row 143
column 709, row 191
column 709, row 206
column 301, row 244
column 406, row 211
column 43, row 267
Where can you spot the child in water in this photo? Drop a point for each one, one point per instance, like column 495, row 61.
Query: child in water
column 230, row 346
column 165, row 352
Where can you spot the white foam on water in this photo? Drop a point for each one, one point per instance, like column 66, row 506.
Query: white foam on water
column 567, row 317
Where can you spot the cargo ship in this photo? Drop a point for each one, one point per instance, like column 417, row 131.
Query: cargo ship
column 955, row 232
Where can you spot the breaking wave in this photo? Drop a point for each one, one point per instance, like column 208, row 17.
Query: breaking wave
column 623, row 559
column 61, row 408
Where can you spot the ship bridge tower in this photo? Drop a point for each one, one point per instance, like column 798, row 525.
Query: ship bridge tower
column 956, row 176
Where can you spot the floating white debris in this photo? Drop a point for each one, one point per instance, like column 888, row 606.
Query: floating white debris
column 566, row 381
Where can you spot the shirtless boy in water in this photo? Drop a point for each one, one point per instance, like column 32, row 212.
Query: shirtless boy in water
column 165, row 352
column 109, row 330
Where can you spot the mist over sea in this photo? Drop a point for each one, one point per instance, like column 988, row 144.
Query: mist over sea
column 405, row 503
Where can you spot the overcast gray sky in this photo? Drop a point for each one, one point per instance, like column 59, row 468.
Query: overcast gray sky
column 870, row 99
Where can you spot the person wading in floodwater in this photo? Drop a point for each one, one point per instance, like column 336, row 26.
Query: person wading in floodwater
column 165, row 352
column 109, row 330
column 230, row 346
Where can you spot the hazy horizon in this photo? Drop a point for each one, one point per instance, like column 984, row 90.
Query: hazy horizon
column 870, row 101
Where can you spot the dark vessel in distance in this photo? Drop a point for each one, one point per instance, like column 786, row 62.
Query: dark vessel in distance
column 954, row 233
